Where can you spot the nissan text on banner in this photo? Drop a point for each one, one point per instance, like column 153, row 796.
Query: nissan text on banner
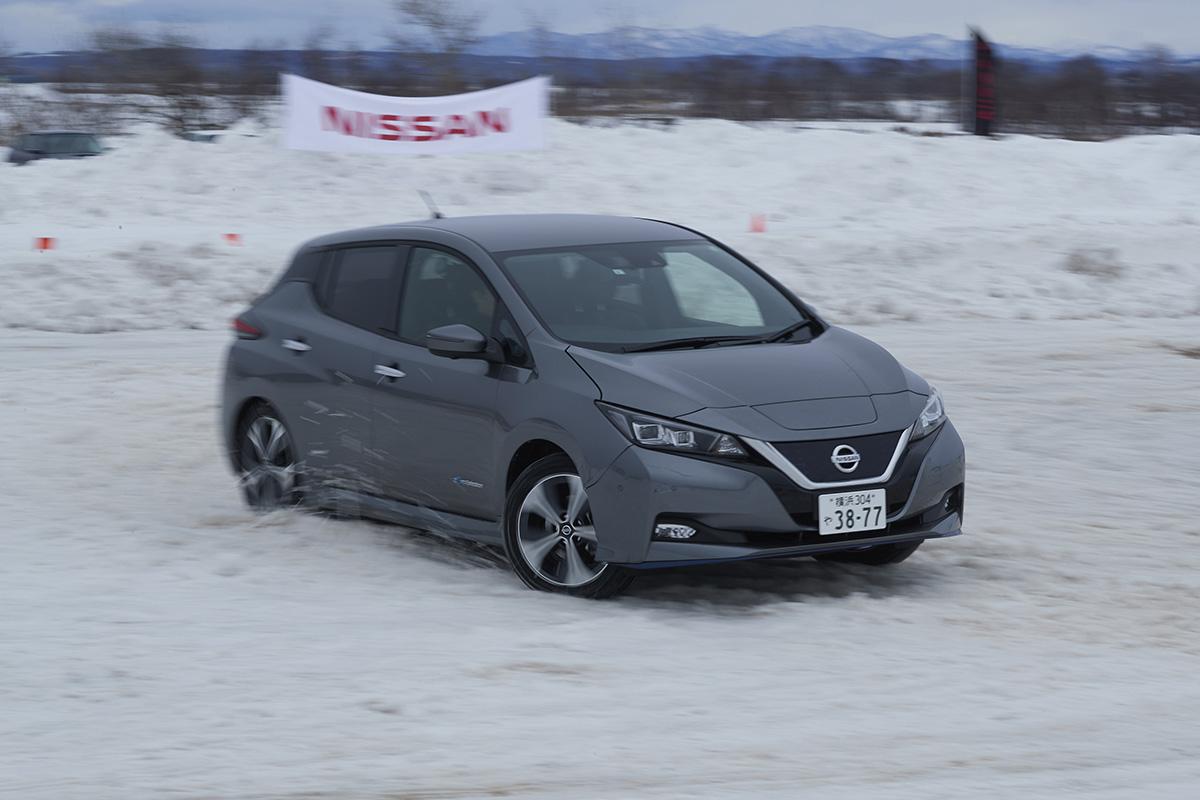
column 318, row 116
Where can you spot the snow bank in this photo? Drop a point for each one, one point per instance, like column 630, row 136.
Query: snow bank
column 869, row 224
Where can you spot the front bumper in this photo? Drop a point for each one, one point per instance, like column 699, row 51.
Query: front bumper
column 744, row 510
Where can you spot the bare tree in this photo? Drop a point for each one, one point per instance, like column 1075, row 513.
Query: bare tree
column 440, row 31
column 316, row 59
column 356, row 67
column 165, row 67
column 119, row 54
column 625, row 47
column 178, row 80
column 540, row 25
column 1161, row 87
column 8, row 103
column 623, row 39
column 254, row 78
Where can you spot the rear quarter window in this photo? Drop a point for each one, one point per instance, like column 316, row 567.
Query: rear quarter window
column 306, row 266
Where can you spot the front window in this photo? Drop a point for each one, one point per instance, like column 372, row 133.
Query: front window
column 623, row 297
column 442, row 289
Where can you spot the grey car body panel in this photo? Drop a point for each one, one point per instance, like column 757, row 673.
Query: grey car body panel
column 555, row 405
column 826, row 412
column 660, row 555
column 836, row 364
column 643, row 485
column 705, row 386
column 893, row 412
column 500, row 233
column 434, row 448
column 326, row 395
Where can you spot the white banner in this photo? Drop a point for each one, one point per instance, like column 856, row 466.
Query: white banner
column 318, row 116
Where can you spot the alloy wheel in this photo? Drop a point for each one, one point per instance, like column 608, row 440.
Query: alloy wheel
column 555, row 532
column 268, row 464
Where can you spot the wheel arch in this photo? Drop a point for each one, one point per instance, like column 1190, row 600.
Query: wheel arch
column 528, row 453
column 244, row 407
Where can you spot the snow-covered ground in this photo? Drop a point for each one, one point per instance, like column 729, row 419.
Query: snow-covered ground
column 160, row 640
column 156, row 639
column 869, row 225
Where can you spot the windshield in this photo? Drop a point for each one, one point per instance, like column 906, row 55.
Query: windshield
column 631, row 296
column 62, row 143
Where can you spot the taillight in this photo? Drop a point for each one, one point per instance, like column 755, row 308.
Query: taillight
column 245, row 330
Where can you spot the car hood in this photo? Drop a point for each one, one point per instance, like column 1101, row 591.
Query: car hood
column 831, row 381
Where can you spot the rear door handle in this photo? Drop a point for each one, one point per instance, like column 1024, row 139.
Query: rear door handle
column 296, row 345
column 388, row 372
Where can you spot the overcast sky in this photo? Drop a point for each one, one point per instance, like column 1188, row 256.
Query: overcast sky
column 61, row 24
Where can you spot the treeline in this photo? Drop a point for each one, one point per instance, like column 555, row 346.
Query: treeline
column 170, row 80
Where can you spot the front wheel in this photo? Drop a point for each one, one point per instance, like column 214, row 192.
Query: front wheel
column 549, row 535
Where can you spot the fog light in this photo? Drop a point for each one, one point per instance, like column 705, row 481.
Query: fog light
column 671, row 531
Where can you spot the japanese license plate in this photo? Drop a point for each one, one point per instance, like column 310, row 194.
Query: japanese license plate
column 852, row 512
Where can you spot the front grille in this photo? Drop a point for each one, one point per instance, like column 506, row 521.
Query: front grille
column 814, row 458
column 802, row 503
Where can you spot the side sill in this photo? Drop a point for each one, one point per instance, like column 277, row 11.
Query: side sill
column 410, row 515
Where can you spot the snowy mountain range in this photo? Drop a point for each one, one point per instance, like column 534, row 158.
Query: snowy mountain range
column 812, row 41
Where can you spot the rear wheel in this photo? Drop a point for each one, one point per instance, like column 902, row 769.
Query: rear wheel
column 267, row 459
column 879, row 556
column 549, row 534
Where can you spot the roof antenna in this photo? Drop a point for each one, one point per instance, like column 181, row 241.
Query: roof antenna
column 433, row 209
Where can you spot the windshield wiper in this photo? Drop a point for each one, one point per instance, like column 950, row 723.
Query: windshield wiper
column 787, row 332
column 710, row 341
column 691, row 342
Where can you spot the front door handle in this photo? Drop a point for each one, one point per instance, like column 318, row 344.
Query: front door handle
column 388, row 372
column 296, row 345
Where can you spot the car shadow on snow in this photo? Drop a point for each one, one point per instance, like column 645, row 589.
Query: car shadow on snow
column 734, row 586
column 746, row 584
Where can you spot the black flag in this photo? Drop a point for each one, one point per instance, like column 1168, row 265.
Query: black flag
column 985, row 85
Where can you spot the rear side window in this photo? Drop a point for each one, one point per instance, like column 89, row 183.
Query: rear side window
column 359, row 287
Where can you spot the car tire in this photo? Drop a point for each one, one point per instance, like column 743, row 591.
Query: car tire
column 269, row 474
column 880, row 556
column 549, row 537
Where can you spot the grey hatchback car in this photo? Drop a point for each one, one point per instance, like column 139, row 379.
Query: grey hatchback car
column 599, row 395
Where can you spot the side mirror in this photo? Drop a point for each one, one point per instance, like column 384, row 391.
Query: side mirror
column 461, row 341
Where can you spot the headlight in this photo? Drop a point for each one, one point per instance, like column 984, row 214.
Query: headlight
column 931, row 417
column 671, row 435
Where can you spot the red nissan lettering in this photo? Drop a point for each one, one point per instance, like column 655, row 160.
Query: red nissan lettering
column 332, row 118
column 426, row 132
column 387, row 122
column 456, row 125
column 496, row 120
